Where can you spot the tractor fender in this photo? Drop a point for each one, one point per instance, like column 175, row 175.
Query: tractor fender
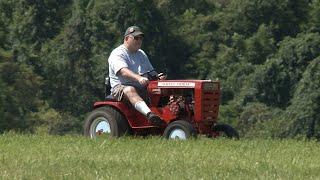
column 134, row 118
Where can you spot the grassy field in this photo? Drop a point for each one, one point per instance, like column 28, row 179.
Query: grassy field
column 76, row 157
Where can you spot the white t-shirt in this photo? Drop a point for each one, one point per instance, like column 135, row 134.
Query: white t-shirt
column 121, row 57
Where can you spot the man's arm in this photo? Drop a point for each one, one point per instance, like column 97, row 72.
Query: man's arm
column 127, row 73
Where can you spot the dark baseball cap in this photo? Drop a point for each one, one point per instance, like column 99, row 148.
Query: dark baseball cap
column 134, row 31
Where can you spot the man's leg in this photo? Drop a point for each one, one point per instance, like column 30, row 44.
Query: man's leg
column 132, row 95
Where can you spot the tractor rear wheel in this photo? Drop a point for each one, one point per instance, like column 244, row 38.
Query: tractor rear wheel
column 105, row 122
column 225, row 130
column 179, row 130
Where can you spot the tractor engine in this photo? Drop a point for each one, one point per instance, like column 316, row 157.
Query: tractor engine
column 176, row 105
column 180, row 103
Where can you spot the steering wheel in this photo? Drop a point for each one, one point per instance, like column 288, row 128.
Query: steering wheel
column 152, row 75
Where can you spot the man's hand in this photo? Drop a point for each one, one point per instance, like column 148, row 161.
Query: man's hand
column 126, row 73
column 162, row 76
column 143, row 80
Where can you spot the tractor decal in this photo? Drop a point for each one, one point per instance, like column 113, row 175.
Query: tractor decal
column 176, row 84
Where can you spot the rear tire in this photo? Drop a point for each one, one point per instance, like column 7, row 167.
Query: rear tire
column 180, row 129
column 105, row 121
column 227, row 130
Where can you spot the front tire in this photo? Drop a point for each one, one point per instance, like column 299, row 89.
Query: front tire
column 105, row 122
column 180, row 130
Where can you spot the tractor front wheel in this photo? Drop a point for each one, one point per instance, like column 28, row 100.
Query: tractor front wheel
column 105, row 122
column 179, row 130
column 225, row 130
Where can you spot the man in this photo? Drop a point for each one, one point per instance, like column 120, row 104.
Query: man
column 126, row 64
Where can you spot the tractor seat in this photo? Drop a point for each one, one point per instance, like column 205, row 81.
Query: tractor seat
column 108, row 96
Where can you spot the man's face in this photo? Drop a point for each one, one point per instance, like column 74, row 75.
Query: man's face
column 134, row 42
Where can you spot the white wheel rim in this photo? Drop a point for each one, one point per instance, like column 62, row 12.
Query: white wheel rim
column 178, row 134
column 99, row 126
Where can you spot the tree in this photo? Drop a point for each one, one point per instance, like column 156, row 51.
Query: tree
column 276, row 80
column 313, row 24
column 20, row 95
column 302, row 116
column 245, row 16
column 69, row 71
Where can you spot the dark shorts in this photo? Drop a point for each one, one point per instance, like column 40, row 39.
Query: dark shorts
column 117, row 92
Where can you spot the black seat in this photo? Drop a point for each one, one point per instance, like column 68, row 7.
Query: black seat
column 107, row 87
column 107, row 94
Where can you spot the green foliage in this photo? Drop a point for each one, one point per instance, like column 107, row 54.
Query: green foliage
column 20, row 90
column 190, row 41
column 259, row 46
column 275, row 81
column 67, row 60
column 304, row 109
column 6, row 9
column 194, row 27
column 258, row 120
column 234, row 64
column 49, row 121
column 245, row 16
column 313, row 24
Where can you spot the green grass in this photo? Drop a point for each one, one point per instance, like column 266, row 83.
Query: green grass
column 76, row 157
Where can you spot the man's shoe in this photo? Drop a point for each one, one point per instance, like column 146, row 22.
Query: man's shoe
column 154, row 119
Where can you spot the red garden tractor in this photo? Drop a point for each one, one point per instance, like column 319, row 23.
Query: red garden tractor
column 188, row 108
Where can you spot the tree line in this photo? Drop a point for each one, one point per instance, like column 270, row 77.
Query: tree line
column 266, row 54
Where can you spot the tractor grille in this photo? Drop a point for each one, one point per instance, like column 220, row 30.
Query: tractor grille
column 210, row 103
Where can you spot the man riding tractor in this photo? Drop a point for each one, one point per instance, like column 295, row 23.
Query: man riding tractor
column 143, row 102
